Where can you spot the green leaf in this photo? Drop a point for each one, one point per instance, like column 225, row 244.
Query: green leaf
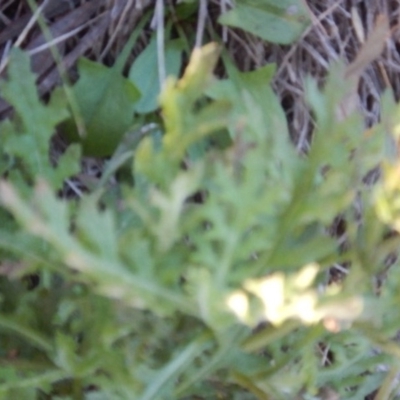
column 257, row 106
column 49, row 220
column 65, row 352
column 186, row 121
column 278, row 22
column 25, row 331
column 96, row 229
column 303, row 251
column 106, row 101
column 68, row 164
column 144, row 72
column 164, row 378
column 29, row 138
column 20, row 91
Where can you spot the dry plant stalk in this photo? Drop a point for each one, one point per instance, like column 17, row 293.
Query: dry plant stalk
column 369, row 51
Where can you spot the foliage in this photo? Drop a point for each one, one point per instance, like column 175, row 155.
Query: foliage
column 209, row 276
column 278, row 22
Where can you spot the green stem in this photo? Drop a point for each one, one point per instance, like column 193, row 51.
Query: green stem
column 212, row 364
column 36, row 381
column 22, row 330
column 268, row 335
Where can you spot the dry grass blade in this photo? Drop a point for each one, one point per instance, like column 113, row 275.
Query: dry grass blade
column 369, row 51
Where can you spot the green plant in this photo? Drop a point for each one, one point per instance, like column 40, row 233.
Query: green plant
column 209, row 276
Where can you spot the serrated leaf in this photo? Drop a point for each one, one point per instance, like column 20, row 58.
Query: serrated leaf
column 20, row 92
column 67, row 165
column 48, row 219
column 257, row 106
column 30, row 139
column 178, row 97
column 144, row 72
column 278, row 22
column 96, row 229
column 185, row 121
column 106, row 101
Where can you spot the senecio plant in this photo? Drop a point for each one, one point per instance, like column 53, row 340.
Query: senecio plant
column 204, row 274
